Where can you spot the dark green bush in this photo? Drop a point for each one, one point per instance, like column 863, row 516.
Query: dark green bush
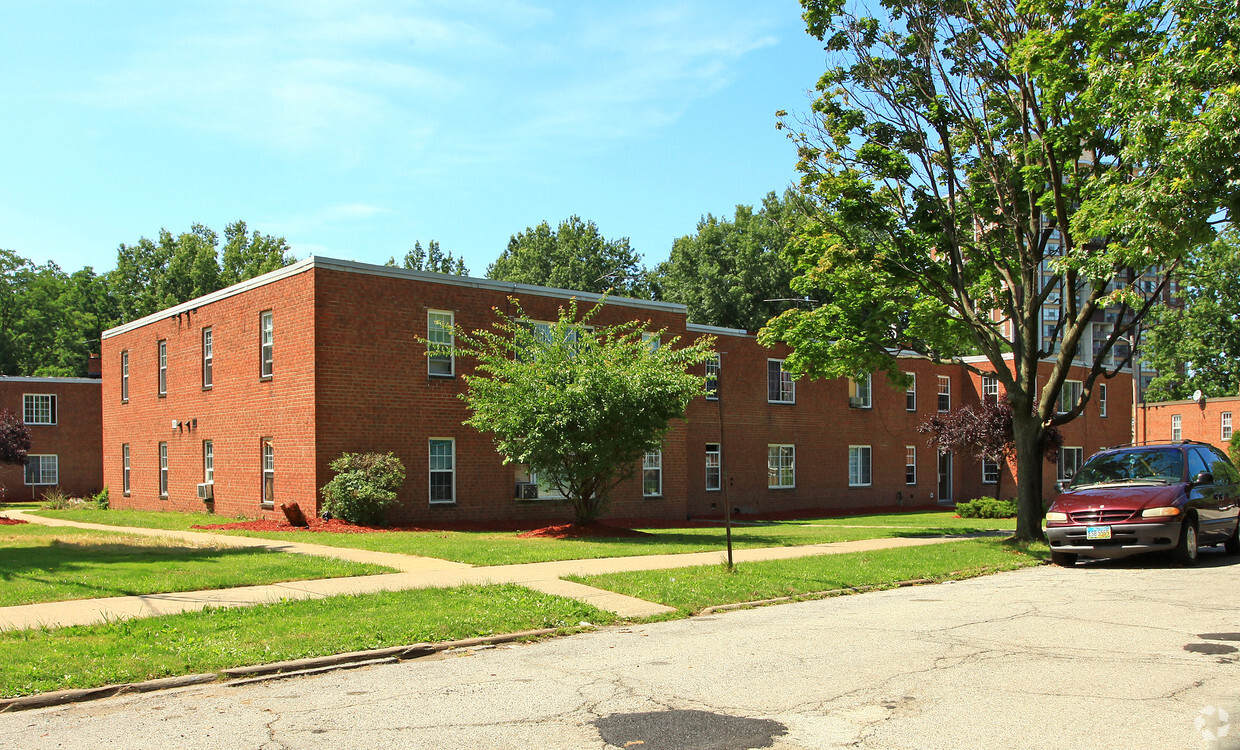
column 364, row 487
column 986, row 507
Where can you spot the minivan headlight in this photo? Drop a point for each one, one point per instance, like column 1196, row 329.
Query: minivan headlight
column 1055, row 516
column 1169, row 510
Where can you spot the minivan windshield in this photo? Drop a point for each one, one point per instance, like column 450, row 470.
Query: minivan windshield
column 1146, row 466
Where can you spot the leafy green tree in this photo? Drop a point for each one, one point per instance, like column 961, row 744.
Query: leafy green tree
column 966, row 160
column 574, row 256
column 246, row 256
column 433, row 260
column 1197, row 346
column 731, row 272
column 579, row 404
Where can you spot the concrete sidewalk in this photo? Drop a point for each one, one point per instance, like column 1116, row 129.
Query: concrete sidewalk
column 419, row 572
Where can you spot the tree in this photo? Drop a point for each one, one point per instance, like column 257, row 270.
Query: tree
column 1197, row 346
column 572, row 256
column 14, row 438
column 967, row 160
column 436, row 261
column 577, row 403
column 731, row 273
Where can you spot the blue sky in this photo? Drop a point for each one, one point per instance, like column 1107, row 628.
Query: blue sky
column 354, row 129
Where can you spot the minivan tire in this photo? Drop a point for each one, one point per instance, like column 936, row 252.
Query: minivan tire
column 1186, row 549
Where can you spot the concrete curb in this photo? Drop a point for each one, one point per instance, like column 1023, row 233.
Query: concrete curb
column 258, row 673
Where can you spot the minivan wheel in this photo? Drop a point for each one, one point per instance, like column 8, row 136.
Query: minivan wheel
column 1232, row 545
column 1186, row 550
column 1063, row 559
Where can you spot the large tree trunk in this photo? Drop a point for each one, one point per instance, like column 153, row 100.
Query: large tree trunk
column 1027, row 431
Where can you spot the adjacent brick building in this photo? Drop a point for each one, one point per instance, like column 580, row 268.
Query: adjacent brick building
column 66, row 448
column 1208, row 420
column 256, row 388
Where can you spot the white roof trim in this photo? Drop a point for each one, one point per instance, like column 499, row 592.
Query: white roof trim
column 369, row 269
column 719, row 330
column 32, row 379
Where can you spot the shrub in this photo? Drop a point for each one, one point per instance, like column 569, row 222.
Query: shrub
column 364, row 487
column 1233, row 447
column 57, row 499
column 101, row 499
column 986, row 507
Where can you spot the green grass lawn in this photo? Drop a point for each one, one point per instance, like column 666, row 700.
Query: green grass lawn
column 692, row 589
column 48, row 564
column 501, row 548
column 37, row 661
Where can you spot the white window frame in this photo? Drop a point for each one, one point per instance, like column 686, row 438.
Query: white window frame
column 860, row 466
column 32, row 414
column 163, row 470
column 1078, row 452
column 1177, row 427
column 208, row 358
column 208, row 462
column 433, row 469
column 910, row 465
column 1225, row 425
column 125, row 376
column 714, row 467
column 713, row 365
column 42, row 461
column 266, row 344
column 990, row 387
column 652, row 341
column 787, row 389
column 652, row 469
column 267, row 464
column 910, row 393
column 446, row 343
column 125, row 469
column 162, row 388
column 990, row 471
column 1069, row 394
column 781, row 458
column 860, row 393
column 945, row 390
column 1102, row 400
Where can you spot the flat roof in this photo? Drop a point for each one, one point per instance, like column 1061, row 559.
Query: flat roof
column 370, row 269
column 32, row 379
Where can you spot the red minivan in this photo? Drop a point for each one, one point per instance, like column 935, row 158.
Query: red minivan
column 1128, row 500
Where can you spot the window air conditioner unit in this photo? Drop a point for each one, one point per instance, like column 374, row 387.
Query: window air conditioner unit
column 527, row 491
column 206, row 491
column 856, row 402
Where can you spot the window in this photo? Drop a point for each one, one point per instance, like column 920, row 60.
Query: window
column 1102, row 400
column 124, row 376
column 163, row 470
column 208, row 357
column 945, row 393
column 267, row 343
column 779, row 386
column 910, row 395
column 269, row 472
column 42, row 469
column 990, row 389
column 859, row 393
column 1226, row 422
column 652, row 474
column 443, row 470
column 1069, row 394
column 781, row 466
column 208, row 462
column 858, row 466
column 163, row 368
column 1176, row 432
column 1069, row 462
column 651, row 341
column 125, row 468
column 442, row 360
column 39, row 408
column 714, row 467
column 712, row 377
column 990, row 472
column 910, row 464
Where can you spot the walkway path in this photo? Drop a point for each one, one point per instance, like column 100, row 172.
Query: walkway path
column 418, row 572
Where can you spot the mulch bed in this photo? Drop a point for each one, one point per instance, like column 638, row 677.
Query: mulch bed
column 11, row 521
column 581, row 531
column 336, row 526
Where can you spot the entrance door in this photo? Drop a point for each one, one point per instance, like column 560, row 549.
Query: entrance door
column 945, row 477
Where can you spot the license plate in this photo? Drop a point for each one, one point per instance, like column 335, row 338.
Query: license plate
column 1097, row 532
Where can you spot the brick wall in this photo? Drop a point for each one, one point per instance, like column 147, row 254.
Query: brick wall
column 75, row 438
column 1202, row 422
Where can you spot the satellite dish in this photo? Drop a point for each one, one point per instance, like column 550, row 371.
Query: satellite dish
column 1198, row 396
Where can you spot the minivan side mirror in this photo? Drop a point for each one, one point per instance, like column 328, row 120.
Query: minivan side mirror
column 1204, row 477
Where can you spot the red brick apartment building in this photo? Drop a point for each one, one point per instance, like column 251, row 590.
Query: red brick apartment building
column 254, row 389
column 66, row 448
column 1208, row 420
